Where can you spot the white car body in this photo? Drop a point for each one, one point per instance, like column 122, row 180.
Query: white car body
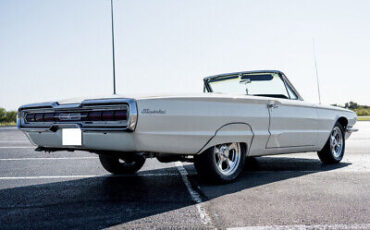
column 190, row 124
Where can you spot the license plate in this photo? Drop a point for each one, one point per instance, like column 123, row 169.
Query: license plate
column 71, row 136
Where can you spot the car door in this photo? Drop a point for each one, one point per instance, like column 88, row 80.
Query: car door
column 293, row 123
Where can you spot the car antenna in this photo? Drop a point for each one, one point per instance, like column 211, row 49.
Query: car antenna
column 317, row 74
column 114, row 61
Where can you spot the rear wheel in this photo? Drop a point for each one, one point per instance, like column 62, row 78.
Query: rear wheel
column 122, row 165
column 333, row 150
column 221, row 163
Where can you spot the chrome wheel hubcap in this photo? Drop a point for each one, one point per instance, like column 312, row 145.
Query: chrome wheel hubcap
column 227, row 157
column 336, row 142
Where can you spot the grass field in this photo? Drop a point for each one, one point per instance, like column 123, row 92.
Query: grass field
column 364, row 118
column 8, row 124
column 362, row 112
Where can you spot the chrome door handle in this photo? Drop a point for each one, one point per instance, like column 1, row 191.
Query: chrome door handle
column 272, row 105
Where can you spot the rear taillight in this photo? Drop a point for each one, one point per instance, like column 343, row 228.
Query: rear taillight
column 39, row 117
column 56, row 116
column 84, row 116
column 105, row 115
column 30, row 117
column 49, row 117
column 94, row 116
column 120, row 115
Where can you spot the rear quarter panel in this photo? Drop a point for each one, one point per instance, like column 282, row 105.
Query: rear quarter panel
column 187, row 125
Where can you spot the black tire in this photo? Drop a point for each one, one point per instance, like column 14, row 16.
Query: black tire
column 326, row 155
column 116, row 165
column 208, row 171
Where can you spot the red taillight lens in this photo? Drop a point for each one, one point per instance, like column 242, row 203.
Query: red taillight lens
column 120, row 115
column 39, row 117
column 30, row 117
column 107, row 115
column 94, row 116
column 49, row 117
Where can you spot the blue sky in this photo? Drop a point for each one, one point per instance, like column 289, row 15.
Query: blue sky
column 54, row 49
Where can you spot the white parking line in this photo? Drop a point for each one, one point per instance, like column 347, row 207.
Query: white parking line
column 14, row 141
column 194, row 194
column 306, row 227
column 17, row 147
column 87, row 176
column 349, row 169
column 48, row 158
column 45, row 177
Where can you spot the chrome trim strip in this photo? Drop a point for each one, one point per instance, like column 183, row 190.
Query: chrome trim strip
column 133, row 115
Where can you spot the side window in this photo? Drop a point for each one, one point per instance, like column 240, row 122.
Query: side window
column 292, row 95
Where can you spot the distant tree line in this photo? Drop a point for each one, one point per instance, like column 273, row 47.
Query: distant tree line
column 361, row 110
column 7, row 116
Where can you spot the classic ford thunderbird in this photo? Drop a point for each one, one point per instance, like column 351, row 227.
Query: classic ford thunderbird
column 239, row 115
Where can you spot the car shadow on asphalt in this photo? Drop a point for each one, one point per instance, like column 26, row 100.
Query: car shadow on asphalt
column 264, row 170
column 100, row 202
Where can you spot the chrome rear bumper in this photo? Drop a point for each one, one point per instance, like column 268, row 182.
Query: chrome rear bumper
column 91, row 140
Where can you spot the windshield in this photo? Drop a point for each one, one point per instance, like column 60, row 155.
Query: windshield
column 257, row 84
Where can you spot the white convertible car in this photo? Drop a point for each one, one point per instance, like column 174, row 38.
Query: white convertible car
column 239, row 115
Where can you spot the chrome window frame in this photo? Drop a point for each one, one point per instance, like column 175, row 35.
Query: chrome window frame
column 290, row 85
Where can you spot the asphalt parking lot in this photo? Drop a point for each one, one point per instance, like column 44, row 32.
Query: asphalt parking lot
column 71, row 190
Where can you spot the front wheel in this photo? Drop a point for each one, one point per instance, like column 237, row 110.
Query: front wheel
column 126, row 165
column 221, row 163
column 333, row 150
